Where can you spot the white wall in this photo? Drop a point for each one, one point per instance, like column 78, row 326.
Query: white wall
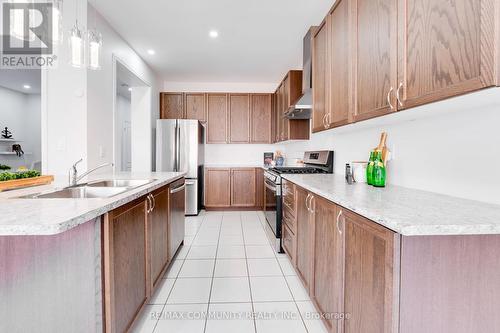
column 122, row 116
column 64, row 105
column 22, row 114
column 101, row 95
column 450, row 147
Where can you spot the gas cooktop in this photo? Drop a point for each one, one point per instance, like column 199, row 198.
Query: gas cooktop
column 296, row 170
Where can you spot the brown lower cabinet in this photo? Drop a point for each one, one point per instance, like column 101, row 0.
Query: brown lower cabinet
column 346, row 263
column 234, row 188
column 138, row 242
column 366, row 278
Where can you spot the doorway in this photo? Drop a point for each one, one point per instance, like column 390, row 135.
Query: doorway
column 132, row 121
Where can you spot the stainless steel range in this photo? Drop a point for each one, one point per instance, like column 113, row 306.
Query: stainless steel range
column 314, row 162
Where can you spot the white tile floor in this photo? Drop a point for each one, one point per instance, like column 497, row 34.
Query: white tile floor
column 228, row 278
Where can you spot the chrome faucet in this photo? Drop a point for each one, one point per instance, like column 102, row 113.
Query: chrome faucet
column 73, row 172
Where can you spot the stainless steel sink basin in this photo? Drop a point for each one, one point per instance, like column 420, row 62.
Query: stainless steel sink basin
column 82, row 192
column 129, row 183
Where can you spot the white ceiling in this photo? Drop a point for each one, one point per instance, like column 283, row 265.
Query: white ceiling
column 15, row 79
column 259, row 40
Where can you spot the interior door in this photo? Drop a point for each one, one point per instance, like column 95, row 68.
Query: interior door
column 188, row 147
column 446, row 48
column 375, row 37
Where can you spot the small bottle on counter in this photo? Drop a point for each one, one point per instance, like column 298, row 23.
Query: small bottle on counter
column 379, row 172
column 369, row 169
column 348, row 174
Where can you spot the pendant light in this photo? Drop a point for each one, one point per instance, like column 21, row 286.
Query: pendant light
column 94, row 39
column 57, row 27
column 77, row 44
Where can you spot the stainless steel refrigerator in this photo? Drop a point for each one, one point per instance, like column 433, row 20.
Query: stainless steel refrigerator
column 180, row 147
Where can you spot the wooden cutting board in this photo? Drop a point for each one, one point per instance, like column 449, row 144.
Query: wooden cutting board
column 26, row 182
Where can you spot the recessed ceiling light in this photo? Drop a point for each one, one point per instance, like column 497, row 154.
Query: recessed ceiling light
column 213, row 33
column 129, row 89
column 26, row 86
column 151, row 52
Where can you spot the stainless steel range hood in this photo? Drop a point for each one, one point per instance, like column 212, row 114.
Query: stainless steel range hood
column 302, row 108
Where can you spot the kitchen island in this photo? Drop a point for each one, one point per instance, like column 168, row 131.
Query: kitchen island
column 63, row 262
column 393, row 259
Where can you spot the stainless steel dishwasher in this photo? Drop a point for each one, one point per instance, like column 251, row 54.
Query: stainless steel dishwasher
column 177, row 204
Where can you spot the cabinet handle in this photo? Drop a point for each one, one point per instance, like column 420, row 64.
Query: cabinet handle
column 154, row 202
column 324, row 120
column 338, row 222
column 150, row 204
column 307, row 202
column 327, row 120
column 398, row 95
column 310, row 204
column 389, row 98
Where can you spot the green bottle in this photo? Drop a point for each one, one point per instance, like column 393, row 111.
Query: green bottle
column 369, row 169
column 379, row 172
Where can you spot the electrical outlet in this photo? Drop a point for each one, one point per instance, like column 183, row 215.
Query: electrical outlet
column 102, row 152
column 392, row 149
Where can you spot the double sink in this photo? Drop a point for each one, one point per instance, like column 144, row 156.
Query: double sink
column 97, row 189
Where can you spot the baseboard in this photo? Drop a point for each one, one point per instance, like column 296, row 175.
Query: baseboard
column 258, row 208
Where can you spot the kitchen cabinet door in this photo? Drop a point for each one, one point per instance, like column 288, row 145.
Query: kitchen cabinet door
column 171, row 106
column 159, row 234
column 176, row 217
column 217, row 118
column 321, row 78
column 195, row 106
column 243, row 187
column 305, row 237
column 340, row 60
column 446, row 48
column 217, row 188
column 371, row 253
column 375, row 37
column 328, row 261
column 126, row 281
column 261, row 118
column 239, row 118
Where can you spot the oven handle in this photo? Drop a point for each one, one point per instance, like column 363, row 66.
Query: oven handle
column 272, row 188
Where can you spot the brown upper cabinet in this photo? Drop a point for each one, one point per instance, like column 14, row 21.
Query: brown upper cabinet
column 446, row 49
column 217, row 118
column 195, row 106
column 375, row 48
column 288, row 92
column 239, row 118
column 261, row 121
column 375, row 57
column 172, row 106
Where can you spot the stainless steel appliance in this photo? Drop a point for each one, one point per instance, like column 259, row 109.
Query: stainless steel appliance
column 180, row 147
column 302, row 108
column 177, row 200
column 314, row 162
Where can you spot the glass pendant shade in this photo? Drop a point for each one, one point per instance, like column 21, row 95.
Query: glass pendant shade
column 77, row 47
column 57, row 28
column 94, row 49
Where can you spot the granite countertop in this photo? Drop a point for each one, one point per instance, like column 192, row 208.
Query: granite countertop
column 406, row 211
column 53, row 216
column 235, row 166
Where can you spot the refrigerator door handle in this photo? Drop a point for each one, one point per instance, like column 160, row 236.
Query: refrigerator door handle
column 178, row 148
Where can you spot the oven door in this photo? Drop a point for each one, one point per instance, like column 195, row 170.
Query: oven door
column 272, row 204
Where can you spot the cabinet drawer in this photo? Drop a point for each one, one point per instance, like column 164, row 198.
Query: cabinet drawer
column 289, row 219
column 288, row 194
column 288, row 242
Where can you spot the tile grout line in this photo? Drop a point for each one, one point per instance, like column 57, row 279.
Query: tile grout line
column 248, row 277
column 213, row 273
column 176, row 276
